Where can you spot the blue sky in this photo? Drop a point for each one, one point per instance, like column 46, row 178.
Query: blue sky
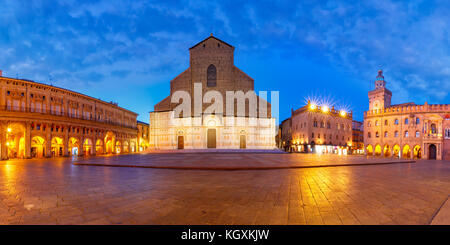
column 127, row 51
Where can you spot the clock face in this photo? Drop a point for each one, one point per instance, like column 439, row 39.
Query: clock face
column 376, row 104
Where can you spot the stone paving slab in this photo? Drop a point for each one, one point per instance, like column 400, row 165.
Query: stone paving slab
column 242, row 161
column 442, row 216
column 54, row 191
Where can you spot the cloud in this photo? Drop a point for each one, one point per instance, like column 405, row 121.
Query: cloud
column 80, row 43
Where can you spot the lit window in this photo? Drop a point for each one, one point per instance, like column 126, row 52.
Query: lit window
column 417, row 134
column 385, row 134
column 376, row 122
column 396, row 122
column 377, row 135
column 406, row 134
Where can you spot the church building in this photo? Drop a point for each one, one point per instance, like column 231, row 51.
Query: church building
column 208, row 81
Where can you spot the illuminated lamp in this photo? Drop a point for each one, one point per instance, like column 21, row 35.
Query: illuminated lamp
column 343, row 113
column 312, row 106
column 325, row 108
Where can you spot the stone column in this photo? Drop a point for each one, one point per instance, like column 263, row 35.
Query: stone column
column 27, row 140
column 66, row 141
column 4, row 148
column 81, row 148
column 94, row 145
column 48, row 142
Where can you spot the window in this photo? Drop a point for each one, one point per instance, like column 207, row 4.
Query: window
column 433, row 128
column 315, row 124
column 318, row 136
column 396, row 122
column 376, row 122
column 396, row 134
column 406, row 134
column 368, row 135
column 211, row 76
column 385, row 134
column 386, row 122
column 417, row 120
column 312, row 135
column 406, row 120
column 342, row 126
column 447, row 133
column 417, row 134
column 377, row 135
column 322, row 124
column 328, row 125
column 369, row 124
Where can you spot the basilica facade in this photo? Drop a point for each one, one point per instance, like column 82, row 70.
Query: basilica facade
column 405, row 130
column 211, row 73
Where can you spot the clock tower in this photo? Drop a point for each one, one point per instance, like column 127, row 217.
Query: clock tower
column 380, row 97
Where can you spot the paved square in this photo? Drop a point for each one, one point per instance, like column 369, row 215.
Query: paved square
column 54, row 191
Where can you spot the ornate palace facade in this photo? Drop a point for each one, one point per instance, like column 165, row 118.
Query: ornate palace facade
column 405, row 130
column 321, row 129
column 212, row 68
column 38, row 120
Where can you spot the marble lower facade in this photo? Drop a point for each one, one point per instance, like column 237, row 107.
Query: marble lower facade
column 210, row 131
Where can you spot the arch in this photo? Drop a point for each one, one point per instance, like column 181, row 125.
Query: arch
column 99, row 147
column 377, row 150
column 133, row 146
column 369, row 149
column 417, row 152
column 37, row 147
column 396, row 151
column 126, row 148
column 211, row 76
column 118, row 149
column 110, row 137
column 74, row 146
column 15, row 140
column 57, row 147
column 406, row 153
column 88, row 147
column 387, row 151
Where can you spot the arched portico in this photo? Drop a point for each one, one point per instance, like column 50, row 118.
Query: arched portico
column 417, row 152
column 57, row 147
column 387, row 151
column 369, row 150
column 406, row 153
column 377, row 150
column 37, row 147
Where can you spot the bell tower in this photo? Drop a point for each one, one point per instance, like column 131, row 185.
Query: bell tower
column 380, row 97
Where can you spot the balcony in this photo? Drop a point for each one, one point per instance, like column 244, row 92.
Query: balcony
column 61, row 114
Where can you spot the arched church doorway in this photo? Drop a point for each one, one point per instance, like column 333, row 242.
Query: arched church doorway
column 242, row 142
column 432, row 152
column 211, row 139
column 180, row 144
